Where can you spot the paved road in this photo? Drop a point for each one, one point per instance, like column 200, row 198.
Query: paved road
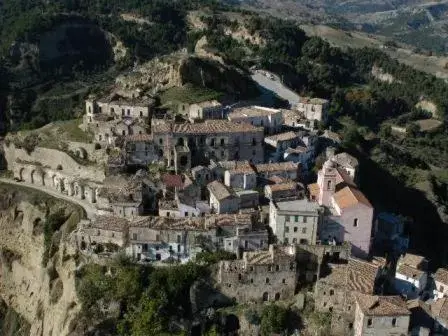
column 275, row 86
column 89, row 208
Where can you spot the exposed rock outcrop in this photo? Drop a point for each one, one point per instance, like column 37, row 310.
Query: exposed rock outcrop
column 179, row 69
column 43, row 295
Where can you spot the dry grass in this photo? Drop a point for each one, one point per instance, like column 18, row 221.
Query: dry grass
column 428, row 125
column 431, row 64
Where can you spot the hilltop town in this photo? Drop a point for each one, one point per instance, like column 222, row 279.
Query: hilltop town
column 165, row 188
column 194, row 168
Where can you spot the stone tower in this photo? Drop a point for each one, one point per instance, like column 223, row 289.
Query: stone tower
column 326, row 179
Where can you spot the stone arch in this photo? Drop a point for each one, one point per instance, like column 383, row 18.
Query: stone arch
column 54, row 181
column 22, row 174
column 265, row 296
column 33, row 176
column 81, row 152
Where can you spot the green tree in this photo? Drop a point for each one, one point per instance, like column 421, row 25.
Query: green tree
column 273, row 319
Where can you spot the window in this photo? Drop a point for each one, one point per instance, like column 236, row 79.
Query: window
column 355, row 222
column 369, row 322
column 223, row 154
column 134, row 236
column 331, row 292
column 441, row 289
column 286, row 240
column 277, row 268
column 286, row 229
column 394, row 322
column 296, row 219
column 291, row 266
column 240, row 277
column 254, row 142
column 112, row 110
column 141, row 113
column 287, row 218
column 129, row 112
column 178, row 248
column 283, row 281
column 222, row 142
column 305, row 219
column 270, row 269
column 122, row 112
column 251, row 268
column 294, row 240
column 304, row 230
column 186, row 214
column 254, row 152
column 160, row 141
column 328, row 185
column 212, row 142
column 178, row 239
column 90, row 109
column 251, row 280
column 267, row 280
column 349, row 308
column 295, row 228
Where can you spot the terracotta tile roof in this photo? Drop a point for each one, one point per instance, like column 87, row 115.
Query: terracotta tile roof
column 252, row 111
column 349, row 196
column 278, row 179
column 441, row 275
column 413, row 260
column 297, row 150
column 169, row 223
column 343, row 179
column 439, row 309
column 207, row 127
column 110, row 223
column 277, row 166
column 229, row 220
column 172, row 181
column 282, row 136
column 409, row 271
column 219, row 190
column 382, row 305
column 139, row 138
column 282, row 186
column 242, row 167
column 362, row 276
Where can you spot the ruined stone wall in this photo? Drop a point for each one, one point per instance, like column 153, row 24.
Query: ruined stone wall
column 257, row 283
column 53, row 159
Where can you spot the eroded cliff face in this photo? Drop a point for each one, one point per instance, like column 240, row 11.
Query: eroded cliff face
column 178, row 69
column 43, row 294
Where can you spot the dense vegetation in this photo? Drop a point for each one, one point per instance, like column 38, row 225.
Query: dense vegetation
column 149, row 300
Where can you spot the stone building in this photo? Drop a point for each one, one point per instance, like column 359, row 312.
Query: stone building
column 188, row 145
column 140, row 150
column 219, row 168
column 441, row 283
column 286, row 170
column 101, row 232
column 411, row 276
column 295, row 221
column 205, row 110
column 284, row 191
column 313, row 108
column 337, row 285
column 381, row 316
column 222, row 199
column 270, row 119
column 119, row 108
column 347, row 162
column 161, row 239
column 268, row 275
column 349, row 213
column 241, row 177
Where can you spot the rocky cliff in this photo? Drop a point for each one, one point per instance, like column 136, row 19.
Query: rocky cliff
column 179, row 69
column 42, row 293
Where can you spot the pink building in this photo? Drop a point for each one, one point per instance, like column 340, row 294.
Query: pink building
column 350, row 214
